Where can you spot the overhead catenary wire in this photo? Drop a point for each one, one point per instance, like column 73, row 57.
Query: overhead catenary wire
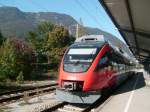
column 94, row 9
column 88, row 13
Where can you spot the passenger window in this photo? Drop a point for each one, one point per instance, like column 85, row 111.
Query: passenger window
column 103, row 63
column 115, row 66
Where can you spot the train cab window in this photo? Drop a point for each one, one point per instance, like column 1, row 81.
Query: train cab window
column 79, row 59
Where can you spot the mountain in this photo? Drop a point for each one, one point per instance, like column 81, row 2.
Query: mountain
column 16, row 23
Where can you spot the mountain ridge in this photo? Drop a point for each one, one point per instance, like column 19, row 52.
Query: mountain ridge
column 16, row 23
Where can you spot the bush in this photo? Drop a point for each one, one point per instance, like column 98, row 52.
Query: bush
column 20, row 78
column 15, row 56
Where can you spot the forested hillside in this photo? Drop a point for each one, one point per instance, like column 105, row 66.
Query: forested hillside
column 16, row 23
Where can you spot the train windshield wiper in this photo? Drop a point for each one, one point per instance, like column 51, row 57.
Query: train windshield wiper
column 77, row 62
column 72, row 62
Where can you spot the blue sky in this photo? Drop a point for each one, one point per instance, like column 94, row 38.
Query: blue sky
column 91, row 12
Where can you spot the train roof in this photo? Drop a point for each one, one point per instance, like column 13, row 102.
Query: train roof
column 88, row 44
column 99, row 40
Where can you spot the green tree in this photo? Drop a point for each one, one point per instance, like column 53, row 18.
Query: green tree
column 50, row 41
column 58, row 37
column 44, row 28
column 36, row 42
column 58, row 40
column 15, row 56
column 7, row 60
column 38, row 39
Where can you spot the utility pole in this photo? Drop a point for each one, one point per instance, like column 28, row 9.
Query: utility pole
column 80, row 31
column 77, row 31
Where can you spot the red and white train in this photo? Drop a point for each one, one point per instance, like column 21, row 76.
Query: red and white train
column 93, row 63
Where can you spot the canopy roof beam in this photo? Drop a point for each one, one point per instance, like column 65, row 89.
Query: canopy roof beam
column 132, row 23
column 143, row 34
column 141, row 49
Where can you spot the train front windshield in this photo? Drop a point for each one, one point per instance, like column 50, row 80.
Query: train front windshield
column 79, row 59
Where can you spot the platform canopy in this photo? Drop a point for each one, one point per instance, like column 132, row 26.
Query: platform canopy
column 132, row 19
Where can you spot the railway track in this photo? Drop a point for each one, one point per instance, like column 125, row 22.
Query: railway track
column 72, row 108
column 66, row 107
column 14, row 95
column 26, row 89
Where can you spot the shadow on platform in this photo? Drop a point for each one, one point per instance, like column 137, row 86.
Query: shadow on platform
column 130, row 85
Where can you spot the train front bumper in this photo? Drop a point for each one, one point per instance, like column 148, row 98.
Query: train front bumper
column 77, row 97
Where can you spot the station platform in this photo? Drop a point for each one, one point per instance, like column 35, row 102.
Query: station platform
column 132, row 96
